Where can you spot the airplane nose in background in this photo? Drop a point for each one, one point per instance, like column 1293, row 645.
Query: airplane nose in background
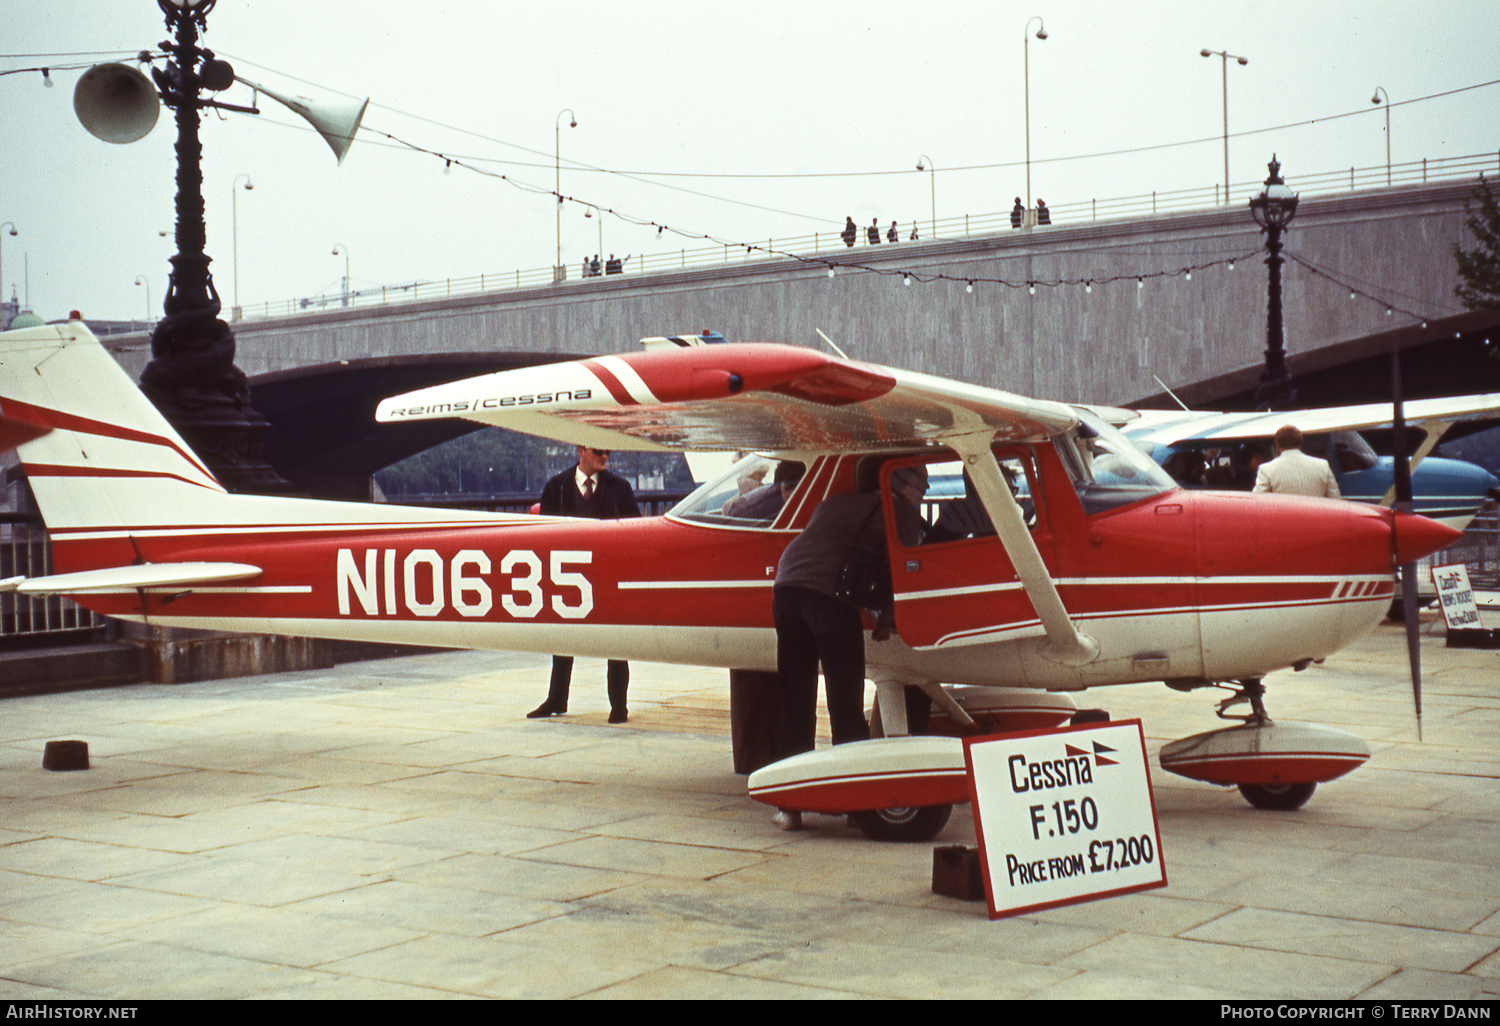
column 1418, row 536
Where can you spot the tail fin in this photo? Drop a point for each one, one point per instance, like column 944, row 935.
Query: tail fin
column 110, row 459
column 116, row 483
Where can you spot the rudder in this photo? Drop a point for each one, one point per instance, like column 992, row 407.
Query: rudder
column 110, row 459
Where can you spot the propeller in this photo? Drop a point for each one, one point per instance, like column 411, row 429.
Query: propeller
column 1403, row 504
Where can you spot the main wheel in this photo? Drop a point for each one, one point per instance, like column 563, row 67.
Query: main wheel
column 1282, row 797
column 921, row 823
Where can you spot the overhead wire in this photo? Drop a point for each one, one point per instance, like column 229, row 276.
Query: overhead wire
column 907, row 274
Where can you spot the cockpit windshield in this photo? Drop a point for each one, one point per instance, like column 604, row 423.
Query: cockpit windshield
column 1108, row 470
column 748, row 494
column 1352, row 452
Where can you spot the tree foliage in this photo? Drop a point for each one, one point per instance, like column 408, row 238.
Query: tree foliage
column 1479, row 268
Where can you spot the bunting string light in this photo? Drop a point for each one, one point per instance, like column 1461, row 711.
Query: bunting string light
column 1391, row 308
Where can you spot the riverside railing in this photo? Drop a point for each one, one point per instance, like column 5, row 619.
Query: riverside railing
column 829, row 243
column 25, row 552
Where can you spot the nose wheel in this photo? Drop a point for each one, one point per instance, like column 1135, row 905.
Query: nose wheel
column 1275, row 766
column 919, row 823
column 1279, row 797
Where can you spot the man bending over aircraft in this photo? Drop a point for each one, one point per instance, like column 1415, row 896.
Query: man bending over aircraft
column 588, row 489
column 815, row 625
column 1293, row 472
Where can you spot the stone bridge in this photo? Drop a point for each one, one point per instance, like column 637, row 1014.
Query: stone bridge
column 1113, row 308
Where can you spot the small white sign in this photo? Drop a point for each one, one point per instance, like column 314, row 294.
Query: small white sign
column 1460, row 612
column 1064, row 816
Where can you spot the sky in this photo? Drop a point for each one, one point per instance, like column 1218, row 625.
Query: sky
column 742, row 122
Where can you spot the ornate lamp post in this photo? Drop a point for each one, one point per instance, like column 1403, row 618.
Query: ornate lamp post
column 1273, row 210
column 192, row 377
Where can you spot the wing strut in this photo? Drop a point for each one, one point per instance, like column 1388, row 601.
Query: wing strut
column 1435, row 429
column 1065, row 643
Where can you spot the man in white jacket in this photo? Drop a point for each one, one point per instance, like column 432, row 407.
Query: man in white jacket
column 1293, row 472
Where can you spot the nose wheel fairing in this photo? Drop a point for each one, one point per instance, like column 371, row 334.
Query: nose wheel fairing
column 1275, row 765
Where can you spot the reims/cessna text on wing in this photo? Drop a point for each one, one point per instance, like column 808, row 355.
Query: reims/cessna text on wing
column 1083, row 565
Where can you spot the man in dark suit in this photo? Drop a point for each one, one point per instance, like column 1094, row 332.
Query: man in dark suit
column 588, row 489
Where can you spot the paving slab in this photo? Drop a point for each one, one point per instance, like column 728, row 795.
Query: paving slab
column 398, row 829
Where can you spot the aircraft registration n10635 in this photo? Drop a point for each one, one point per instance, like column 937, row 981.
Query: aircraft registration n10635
column 1056, row 557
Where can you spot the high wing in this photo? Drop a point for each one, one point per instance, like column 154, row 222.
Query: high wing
column 773, row 398
column 1170, row 427
column 750, row 396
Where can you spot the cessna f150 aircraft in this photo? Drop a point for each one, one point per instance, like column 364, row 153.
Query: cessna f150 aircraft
column 1084, row 564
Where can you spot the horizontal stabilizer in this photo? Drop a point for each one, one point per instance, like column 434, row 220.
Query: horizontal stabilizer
column 125, row 578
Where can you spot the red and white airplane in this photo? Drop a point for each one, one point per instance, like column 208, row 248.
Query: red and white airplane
column 1097, row 570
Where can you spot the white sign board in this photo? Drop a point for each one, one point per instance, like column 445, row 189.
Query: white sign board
column 1064, row 816
column 1460, row 612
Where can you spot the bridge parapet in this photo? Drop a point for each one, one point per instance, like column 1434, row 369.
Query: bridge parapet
column 1109, row 306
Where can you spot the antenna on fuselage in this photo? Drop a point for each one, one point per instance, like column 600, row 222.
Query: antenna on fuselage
column 1171, row 393
column 835, row 348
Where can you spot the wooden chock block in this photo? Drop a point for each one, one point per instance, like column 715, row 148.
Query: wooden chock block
column 66, row 755
column 956, row 873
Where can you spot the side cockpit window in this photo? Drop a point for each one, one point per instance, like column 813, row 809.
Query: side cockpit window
column 951, row 508
column 1108, row 470
column 749, row 494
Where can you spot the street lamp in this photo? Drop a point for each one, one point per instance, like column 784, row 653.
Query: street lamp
column 192, row 377
column 1241, row 60
column 1041, row 33
column 12, row 226
column 1273, row 210
column 141, row 279
column 1379, row 92
column 234, row 204
column 558, row 270
column 933, row 168
column 340, row 246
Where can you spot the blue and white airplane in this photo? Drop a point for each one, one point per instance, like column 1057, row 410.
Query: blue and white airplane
column 1203, row 449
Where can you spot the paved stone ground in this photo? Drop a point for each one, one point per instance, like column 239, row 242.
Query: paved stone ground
column 399, row 829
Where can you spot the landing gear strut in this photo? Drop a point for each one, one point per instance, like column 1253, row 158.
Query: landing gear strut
column 1279, row 797
column 1250, row 690
column 1275, row 765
